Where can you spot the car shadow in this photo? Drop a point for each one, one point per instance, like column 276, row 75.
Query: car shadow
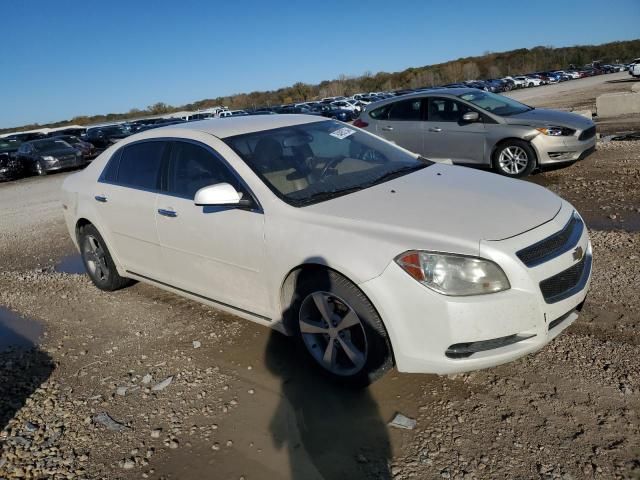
column 24, row 367
column 329, row 430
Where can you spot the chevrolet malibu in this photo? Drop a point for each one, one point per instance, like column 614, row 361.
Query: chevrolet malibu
column 367, row 254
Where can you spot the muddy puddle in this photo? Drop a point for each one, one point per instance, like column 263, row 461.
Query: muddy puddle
column 71, row 264
column 17, row 331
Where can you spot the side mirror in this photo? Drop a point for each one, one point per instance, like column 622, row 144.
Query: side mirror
column 471, row 117
column 219, row 194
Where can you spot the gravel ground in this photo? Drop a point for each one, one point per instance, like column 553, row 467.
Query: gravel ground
column 141, row 383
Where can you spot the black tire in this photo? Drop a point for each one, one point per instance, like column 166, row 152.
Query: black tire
column 105, row 276
column 378, row 353
column 503, row 168
column 39, row 168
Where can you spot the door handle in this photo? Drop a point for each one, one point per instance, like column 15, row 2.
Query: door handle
column 387, row 129
column 101, row 198
column 435, row 129
column 167, row 213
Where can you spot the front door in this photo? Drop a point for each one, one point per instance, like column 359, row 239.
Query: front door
column 447, row 136
column 214, row 252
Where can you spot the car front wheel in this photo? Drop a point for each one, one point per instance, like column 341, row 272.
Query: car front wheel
column 40, row 170
column 514, row 158
column 339, row 330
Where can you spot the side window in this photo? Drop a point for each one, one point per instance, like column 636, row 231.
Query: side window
column 140, row 165
column 407, row 110
column 446, row 110
column 110, row 172
column 381, row 113
column 193, row 167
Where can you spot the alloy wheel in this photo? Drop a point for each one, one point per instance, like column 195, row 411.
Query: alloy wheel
column 333, row 333
column 39, row 168
column 513, row 160
column 96, row 258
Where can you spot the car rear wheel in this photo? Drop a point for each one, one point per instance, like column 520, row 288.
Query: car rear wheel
column 339, row 330
column 514, row 158
column 98, row 261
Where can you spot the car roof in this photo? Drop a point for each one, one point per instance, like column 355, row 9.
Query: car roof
column 231, row 126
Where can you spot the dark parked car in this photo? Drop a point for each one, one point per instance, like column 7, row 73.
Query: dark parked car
column 75, row 131
column 103, row 137
column 9, row 166
column 48, row 155
column 25, row 137
column 341, row 114
column 87, row 149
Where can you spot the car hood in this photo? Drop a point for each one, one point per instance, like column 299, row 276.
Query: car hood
column 447, row 203
column 541, row 117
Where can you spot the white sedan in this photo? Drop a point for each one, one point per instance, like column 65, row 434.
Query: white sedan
column 367, row 254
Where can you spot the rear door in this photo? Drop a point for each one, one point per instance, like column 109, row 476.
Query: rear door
column 449, row 137
column 214, row 252
column 125, row 199
column 402, row 123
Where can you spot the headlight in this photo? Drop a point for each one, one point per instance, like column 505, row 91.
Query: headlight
column 49, row 158
column 556, row 131
column 455, row 275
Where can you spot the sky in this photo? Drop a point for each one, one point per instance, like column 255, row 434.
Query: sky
column 63, row 58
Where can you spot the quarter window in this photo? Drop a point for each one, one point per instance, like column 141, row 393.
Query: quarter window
column 193, row 167
column 407, row 110
column 140, row 165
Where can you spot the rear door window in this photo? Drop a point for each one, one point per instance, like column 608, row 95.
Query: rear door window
column 406, row 110
column 140, row 165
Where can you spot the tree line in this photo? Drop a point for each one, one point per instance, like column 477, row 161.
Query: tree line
column 489, row 65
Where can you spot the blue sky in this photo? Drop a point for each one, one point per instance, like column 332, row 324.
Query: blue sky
column 71, row 58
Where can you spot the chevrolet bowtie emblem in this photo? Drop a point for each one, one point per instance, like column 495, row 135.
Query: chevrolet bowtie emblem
column 578, row 253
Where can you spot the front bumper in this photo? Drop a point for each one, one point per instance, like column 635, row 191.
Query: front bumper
column 554, row 150
column 426, row 327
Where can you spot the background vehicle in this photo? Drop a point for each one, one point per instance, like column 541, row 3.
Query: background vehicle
column 105, row 136
column 634, row 68
column 10, row 167
column 48, row 155
column 88, row 150
column 469, row 126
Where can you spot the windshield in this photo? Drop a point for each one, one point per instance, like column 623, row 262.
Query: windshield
column 497, row 104
column 309, row 163
column 49, row 145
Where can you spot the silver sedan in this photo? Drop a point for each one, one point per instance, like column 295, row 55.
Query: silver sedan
column 473, row 127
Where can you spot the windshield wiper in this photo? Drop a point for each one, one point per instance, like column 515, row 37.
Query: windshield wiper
column 327, row 195
column 398, row 173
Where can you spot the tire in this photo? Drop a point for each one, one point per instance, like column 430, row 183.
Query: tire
column 40, row 170
column 365, row 337
column 98, row 261
column 530, row 85
column 514, row 158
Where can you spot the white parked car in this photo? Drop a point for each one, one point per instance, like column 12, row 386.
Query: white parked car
column 345, row 104
column 529, row 81
column 520, row 82
column 367, row 254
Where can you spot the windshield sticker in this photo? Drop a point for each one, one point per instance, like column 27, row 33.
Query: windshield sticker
column 342, row 133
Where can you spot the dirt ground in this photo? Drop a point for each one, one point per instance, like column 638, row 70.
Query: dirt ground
column 141, row 383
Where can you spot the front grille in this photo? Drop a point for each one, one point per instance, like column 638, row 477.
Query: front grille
column 566, row 283
column 588, row 133
column 553, row 246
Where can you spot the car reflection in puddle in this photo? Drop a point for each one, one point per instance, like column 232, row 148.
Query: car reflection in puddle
column 17, row 331
column 71, row 264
